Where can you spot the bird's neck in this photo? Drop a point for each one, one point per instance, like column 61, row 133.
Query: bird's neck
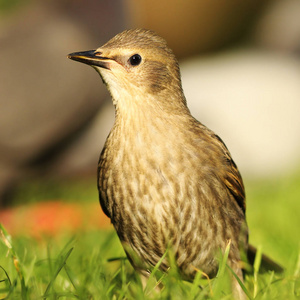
column 143, row 121
column 141, row 111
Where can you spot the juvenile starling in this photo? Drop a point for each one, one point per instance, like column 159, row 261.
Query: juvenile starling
column 164, row 179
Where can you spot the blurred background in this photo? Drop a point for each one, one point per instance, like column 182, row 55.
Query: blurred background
column 240, row 65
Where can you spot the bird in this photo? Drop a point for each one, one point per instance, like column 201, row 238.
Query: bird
column 164, row 179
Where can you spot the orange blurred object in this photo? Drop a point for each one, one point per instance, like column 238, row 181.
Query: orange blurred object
column 195, row 26
column 53, row 217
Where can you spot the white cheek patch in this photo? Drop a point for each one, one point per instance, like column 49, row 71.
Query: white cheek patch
column 111, row 82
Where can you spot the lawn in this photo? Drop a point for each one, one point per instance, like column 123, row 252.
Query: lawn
column 89, row 262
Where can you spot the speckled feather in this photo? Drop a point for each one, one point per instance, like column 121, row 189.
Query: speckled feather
column 164, row 179
column 175, row 184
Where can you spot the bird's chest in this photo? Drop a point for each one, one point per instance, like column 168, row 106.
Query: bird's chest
column 146, row 181
column 157, row 193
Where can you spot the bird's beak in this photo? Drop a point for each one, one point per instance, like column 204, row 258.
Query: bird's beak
column 92, row 58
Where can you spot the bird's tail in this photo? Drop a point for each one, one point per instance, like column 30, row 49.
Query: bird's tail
column 267, row 264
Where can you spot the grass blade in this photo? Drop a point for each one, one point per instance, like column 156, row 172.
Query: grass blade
column 240, row 283
column 153, row 272
column 256, row 266
column 60, row 267
column 7, row 240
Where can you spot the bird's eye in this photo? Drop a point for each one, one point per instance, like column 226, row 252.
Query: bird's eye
column 135, row 60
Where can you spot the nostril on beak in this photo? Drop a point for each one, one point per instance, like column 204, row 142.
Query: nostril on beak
column 98, row 53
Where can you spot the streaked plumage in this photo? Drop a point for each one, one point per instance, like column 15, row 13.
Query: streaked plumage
column 163, row 177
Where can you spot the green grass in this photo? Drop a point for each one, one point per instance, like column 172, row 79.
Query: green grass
column 91, row 265
column 73, row 189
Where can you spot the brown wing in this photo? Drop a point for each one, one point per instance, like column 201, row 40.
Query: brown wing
column 232, row 177
column 100, row 182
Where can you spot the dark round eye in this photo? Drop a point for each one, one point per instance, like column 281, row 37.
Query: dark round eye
column 135, row 60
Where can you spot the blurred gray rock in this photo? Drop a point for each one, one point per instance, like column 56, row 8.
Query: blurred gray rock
column 46, row 100
column 251, row 99
column 279, row 27
column 82, row 154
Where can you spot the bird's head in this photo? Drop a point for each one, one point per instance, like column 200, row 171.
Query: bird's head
column 136, row 64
